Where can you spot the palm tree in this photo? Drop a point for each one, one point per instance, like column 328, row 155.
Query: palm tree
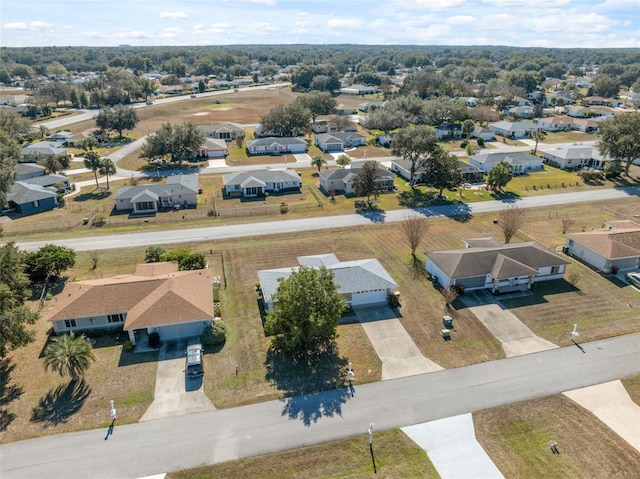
column 92, row 162
column 107, row 168
column 318, row 161
column 538, row 136
column 69, row 354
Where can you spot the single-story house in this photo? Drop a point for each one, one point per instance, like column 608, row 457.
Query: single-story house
column 223, row 131
column 361, row 282
column 13, row 99
column 514, row 129
column 359, row 90
column 345, row 110
column 24, row 171
column 332, row 124
column 257, row 183
column 521, row 111
column 42, row 149
column 339, row 140
column 449, row 131
column 341, row 179
column 556, row 123
column 155, row 298
column 499, row 269
column 613, row 248
column 585, row 125
column 76, row 139
column 402, row 168
column 59, row 136
column 573, row 157
column 29, row 199
column 371, row 105
column 276, row 146
column 481, row 132
column 178, row 191
column 49, row 180
column 520, row 162
column 213, row 148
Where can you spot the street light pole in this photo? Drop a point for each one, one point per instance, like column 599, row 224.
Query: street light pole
column 373, row 459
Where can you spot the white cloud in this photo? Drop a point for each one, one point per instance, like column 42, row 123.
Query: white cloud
column 15, row 26
column 173, row 15
column 428, row 4
column 461, row 20
column 262, row 27
column 271, row 3
column 344, row 23
column 172, row 30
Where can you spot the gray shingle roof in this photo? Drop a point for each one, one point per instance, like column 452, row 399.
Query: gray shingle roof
column 270, row 140
column 262, row 176
column 22, row 193
column 176, row 185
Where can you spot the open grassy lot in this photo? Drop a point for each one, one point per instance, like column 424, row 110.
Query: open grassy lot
column 518, row 436
column 396, row 456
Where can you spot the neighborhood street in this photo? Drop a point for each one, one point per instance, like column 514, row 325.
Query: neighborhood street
column 320, row 222
column 154, row 447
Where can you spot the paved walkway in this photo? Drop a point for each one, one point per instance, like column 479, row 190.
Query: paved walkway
column 175, row 394
column 515, row 336
column 453, row 449
column 399, row 355
column 611, row 403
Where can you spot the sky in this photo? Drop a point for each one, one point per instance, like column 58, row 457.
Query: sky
column 524, row 23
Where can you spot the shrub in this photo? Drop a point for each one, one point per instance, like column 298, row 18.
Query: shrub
column 463, row 144
column 154, row 340
column 99, row 220
column 214, row 334
column 127, row 345
column 284, row 208
column 481, row 142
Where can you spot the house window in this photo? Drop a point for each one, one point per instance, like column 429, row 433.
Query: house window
column 555, row 269
column 115, row 318
column 69, row 323
column 35, row 204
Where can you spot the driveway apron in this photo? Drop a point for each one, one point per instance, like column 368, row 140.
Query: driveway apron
column 175, row 394
column 515, row 336
column 399, row 355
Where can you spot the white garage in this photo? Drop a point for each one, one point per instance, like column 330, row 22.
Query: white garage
column 182, row 330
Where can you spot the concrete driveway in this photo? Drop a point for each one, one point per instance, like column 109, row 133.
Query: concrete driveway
column 175, row 394
column 515, row 336
column 399, row 355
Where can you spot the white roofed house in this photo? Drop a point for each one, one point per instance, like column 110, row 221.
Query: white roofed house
column 520, row 162
column 43, row 149
column 178, row 191
column 339, row 140
column 256, row 183
column 276, row 146
column 575, row 157
column 341, row 179
column 514, row 129
column 213, row 148
column 361, row 282
column 223, row 131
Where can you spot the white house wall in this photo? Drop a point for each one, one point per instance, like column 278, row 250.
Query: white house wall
column 368, row 297
column 182, row 330
column 436, row 272
column 87, row 324
column 590, row 257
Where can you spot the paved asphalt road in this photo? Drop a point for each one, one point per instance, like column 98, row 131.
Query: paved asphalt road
column 318, row 223
column 154, row 447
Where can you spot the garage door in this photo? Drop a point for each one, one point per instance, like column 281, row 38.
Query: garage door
column 182, row 330
column 368, row 297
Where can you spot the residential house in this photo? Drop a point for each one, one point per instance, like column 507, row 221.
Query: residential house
column 156, row 298
column 60, row 136
column 257, row 183
column 13, row 100
column 28, row 199
column 585, row 125
column 370, row 105
column 600, row 101
column 341, row 179
column 345, row 110
column 519, row 101
column 521, row 111
column 49, row 180
column 616, row 247
column 575, row 157
column 514, row 129
column 481, row 132
column 520, row 162
column 178, row 191
column 276, row 146
column 24, row 171
column 213, row 148
column 333, row 124
column 76, row 139
column 402, row 168
column 42, row 149
column 361, row 283
column 497, row 268
column 556, row 123
column 339, row 140
column 359, row 90
column 449, row 131
column 223, row 131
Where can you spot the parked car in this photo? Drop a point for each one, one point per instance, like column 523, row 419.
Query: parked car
column 149, row 102
column 194, row 365
column 634, row 279
column 193, row 96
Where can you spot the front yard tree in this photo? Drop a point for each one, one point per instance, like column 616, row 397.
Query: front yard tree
column 92, row 161
column 153, row 254
column 366, row 182
column 15, row 316
column 117, row 118
column 416, row 145
column 107, row 168
column 385, row 119
column 343, row 160
column 620, row 138
column 286, row 120
column 538, row 136
column 69, row 355
column 499, row 176
column 510, row 220
column 50, row 261
column 307, row 307
column 318, row 161
column 415, row 227
column 442, row 171
column 9, row 154
column 318, row 103
column 467, row 128
column 180, row 142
